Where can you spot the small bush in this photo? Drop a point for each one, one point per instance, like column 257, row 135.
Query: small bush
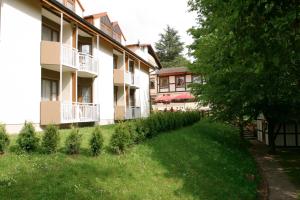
column 50, row 139
column 96, row 141
column 4, row 139
column 27, row 139
column 73, row 142
column 121, row 139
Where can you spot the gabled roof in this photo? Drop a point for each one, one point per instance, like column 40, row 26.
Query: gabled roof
column 173, row 70
column 97, row 15
column 150, row 51
column 116, row 24
column 61, row 7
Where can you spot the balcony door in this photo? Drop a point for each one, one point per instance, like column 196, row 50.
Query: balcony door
column 85, row 90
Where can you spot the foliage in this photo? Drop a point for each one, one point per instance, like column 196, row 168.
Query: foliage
column 73, row 142
column 50, row 139
column 27, row 138
column 203, row 161
column 132, row 132
column 121, row 138
column 96, row 141
column 169, row 49
column 4, row 139
column 247, row 51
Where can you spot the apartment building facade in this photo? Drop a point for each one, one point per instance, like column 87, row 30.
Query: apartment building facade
column 58, row 66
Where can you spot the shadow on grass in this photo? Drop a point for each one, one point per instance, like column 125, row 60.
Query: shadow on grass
column 210, row 161
column 57, row 177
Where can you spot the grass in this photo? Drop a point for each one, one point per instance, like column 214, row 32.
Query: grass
column 290, row 161
column 204, row 161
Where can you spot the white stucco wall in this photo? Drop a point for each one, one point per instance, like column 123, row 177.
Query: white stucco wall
column 144, row 92
column 66, row 87
column 105, row 84
column 67, row 34
column 20, row 77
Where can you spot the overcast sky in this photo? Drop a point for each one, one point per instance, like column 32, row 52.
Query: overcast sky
column 143, row 20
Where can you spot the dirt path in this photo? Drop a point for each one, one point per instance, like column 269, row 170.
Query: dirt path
column 279, row 186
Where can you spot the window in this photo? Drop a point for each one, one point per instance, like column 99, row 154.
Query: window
column 152, row 84
column 85, row 48
column 49, row 90
column 164, row 82
column 199, row 79
column 49, row 34
column 131, row 66
column 180, row 81
column 115, row 62
column 70, row 4
column 86, row 94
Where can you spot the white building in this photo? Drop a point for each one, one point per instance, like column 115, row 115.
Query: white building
column 57, row 66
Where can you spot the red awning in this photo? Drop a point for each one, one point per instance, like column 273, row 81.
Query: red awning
column 184, row 96
column 164, row 98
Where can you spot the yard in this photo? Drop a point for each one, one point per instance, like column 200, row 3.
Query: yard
column 290, row 161
column 203, row 161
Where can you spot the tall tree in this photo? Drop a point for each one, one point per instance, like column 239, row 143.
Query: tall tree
column 169, row 49
column 249, row 52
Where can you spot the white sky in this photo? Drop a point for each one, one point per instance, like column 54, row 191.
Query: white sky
column 143, row 20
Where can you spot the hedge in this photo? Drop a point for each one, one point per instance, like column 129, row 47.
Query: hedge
column 133, row 132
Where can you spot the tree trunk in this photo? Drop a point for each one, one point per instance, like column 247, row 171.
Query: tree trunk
column 272, row 136
column 241, row 127
column 241, row 130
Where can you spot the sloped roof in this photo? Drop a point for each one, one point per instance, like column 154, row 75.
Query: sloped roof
column 117, row 24
column 150, row 51
column 173, row 70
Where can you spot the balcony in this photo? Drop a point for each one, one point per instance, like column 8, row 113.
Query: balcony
column 119, row 112
column 55, row 112
column 52, row 54
column 133, row 112
column 88, row 65
column 127, row 78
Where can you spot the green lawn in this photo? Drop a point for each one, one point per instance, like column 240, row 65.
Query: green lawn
column 204, row 161
column 290, row 161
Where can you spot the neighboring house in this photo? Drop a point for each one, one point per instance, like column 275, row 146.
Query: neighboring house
column 60, row 67
column 288, row 134
column 169, row 89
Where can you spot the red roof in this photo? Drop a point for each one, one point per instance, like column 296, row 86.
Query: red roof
column 184, row 96
column 164, row 98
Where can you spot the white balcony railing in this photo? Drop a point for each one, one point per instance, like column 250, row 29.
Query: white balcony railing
column 133, row 112
column 88, row 63
column 69, row 56
column 127, row 77
column 79, row 112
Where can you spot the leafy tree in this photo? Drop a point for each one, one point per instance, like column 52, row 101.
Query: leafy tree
column 247, row 51
column 169, row 49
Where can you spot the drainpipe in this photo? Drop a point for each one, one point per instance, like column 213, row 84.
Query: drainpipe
column 139, row 77
column 97, row 54
column 124, row 86
column 61, row 55
column 76, row 46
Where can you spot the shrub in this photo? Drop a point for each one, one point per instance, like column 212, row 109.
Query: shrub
column 4, row 139
column 73, row 142
column 27, row 139
column 50, row 139
column 121, row 138
column 96, row 141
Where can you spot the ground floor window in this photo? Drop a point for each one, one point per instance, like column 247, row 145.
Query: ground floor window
column 49, row 90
